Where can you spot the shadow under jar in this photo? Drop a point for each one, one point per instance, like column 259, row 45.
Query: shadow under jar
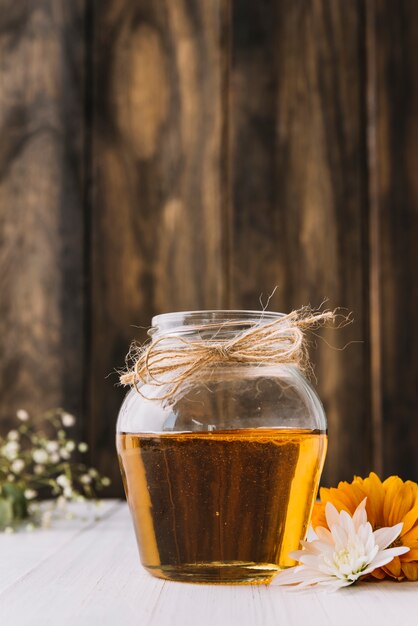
column 221, row 478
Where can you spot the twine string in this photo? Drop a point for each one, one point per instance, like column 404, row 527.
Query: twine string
column 171, row 360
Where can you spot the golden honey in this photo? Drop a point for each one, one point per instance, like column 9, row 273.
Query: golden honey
column 221, row 506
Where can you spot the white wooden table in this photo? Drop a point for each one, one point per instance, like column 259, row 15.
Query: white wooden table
column 88, row 573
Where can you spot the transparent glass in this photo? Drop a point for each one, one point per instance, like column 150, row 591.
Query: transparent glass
column 221, row 479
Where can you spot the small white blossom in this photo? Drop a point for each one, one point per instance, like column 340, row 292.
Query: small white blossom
column 39, row 469
column 10, row 450
column 341, row 555
column 30, row 494
column 10, row 478
column 52, row 446
column 85, row 479
column 70, row 445
column 17, row 466
column 62, row 480
column 22, row 415
column 40, row 456
column 68, row 492
column 83, row 447
column 30, row 527
column 54, row 458
column 64, row 454
column 105, row 481
column 13, row 435
column 68, row 420
column 93, row 472
column 8, row 530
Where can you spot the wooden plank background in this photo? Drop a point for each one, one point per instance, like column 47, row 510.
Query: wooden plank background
column 187, row 154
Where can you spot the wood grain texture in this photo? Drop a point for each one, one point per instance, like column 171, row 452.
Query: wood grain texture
column 41, row 197
column 393, row 36
column 226, row 147
column 300, row 192
column 158, row 161
column 89, row 574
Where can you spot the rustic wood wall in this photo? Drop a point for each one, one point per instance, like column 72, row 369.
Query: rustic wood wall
column 163, row 155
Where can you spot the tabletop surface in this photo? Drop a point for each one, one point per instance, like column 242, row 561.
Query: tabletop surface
column 87, row 572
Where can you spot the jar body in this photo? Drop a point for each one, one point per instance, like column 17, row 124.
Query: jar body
column 221, row 479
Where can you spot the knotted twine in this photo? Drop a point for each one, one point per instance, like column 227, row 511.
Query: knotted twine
column 171, row 360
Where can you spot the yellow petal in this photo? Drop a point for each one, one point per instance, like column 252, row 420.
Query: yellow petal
column 352, row 497
column 393, row 486
column 375, row 498
column 379, row 573
column 318, row 515
column 410, row 570
column 409, row 520
column 393, row 568
column 412, row 555
column 411, row 538
column 323, row 494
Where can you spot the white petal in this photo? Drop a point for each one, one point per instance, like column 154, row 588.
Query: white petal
column 346, row 522
column 339, row 536
column 324, row 535
column 331, row 514
column 299, row 575
column 385, row 536
column 311, row 560
column 360, row 515
column 296, row 554
column 386, row 556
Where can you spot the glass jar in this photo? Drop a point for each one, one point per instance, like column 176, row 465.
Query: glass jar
column 221, row 477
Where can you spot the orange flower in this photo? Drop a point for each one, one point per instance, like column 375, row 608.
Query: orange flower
column 388, row 503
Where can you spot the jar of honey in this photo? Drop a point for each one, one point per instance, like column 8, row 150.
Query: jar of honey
column 221, row 460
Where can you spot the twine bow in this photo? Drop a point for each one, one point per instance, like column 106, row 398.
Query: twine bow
column 170, row 360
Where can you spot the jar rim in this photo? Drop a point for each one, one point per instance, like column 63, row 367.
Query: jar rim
column 170, row 322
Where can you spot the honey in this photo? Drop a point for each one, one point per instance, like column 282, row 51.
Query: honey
column 221, row 506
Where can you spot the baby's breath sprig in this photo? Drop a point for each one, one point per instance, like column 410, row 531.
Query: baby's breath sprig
column 38, row 460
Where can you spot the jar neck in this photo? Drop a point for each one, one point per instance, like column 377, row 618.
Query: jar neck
column 219, row 324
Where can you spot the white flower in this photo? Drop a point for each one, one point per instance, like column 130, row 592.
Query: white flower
column 52, row 446
column 68, row 492
column 38, row 469
column 54, row 458
column 30, row 494
column 40, row 456
column 105, row 481
column 62, row 480
column 17, row 466
column 13, row 435
column 22, row 415
column 68, row 420
column 341, row 555
column 30, row 527
column 83, row 447
column 64, row 454
column 85, row 479
column 93, row 472
column 10, row 478
column 10, row 450
column 70, row 445
column 8, row 530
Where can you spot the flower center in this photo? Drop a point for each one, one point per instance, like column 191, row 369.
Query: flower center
column 342, row 557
